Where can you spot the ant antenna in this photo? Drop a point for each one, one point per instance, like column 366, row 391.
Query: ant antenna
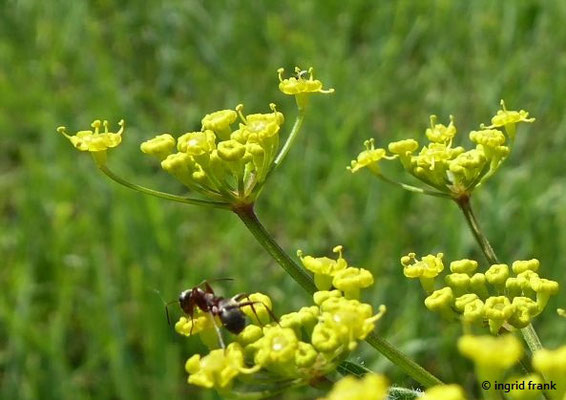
column 205, row 281
column 166, row 304
column 167, row 311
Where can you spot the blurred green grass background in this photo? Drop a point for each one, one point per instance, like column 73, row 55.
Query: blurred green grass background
column 82, row 258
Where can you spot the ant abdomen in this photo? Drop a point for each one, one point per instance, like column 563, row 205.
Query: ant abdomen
column 233, row 320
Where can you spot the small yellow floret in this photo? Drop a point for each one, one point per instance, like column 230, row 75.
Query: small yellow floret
column 299, row 84
column 464, row 266
column 160, row 146
column 218, row 368
column 524, row 265
column 370, row 158
column 219, row 121
column 499, row 352
column 370, row 387
column 444, row 392
column 439, row 133
column 94, row 141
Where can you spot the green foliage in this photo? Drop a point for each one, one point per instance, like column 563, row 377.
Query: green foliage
column 82, row 260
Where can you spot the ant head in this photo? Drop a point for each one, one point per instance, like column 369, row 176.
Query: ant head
column 186, row 300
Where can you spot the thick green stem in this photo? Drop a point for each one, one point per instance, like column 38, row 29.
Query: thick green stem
column 156, row 193
column 248, row 217
column 529, row 334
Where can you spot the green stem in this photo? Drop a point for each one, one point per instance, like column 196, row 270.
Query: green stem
column 466, row 207
column 531, row 337
column 414, row 189
column 247, row 215
column 290, row 139
column 156, row 193
column 529, row 334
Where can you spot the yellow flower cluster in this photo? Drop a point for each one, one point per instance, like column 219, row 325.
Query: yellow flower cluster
column 218, row 162
column 303, row 345
column 501, row 295
column 329, row 273
column 452, row 170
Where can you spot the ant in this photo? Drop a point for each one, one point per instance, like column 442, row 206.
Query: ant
column 228, row 310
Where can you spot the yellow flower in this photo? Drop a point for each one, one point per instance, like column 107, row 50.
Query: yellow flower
column 478, row 286
column 191, row 326
column 464, row 266
column 197, row 143
column 552, row 365
column 544, row 288
column 403, row 147
column 441, row 301
column 300, row 85
column 324, row 268
column 262, row 306
column 256, row 127
column 488, row 137
column 528, row 393
column 426, row 269
column 474, row 311
column 524, row 265
column 306, row 355
column 524, row 310
column 342, row 323
column 370, row 158
column 491, row 355
column 160, row 146
column 277, row 347
column 498, row 309
column 439, row 133
column 250, row 334
column 95, row 141
column 351, row 280
column 219, row 122
column 444, row 392
column 218, row 368
column 459, row 283
column 496, row 275
column 509, row 119
column 306, row 318
column 370, row 387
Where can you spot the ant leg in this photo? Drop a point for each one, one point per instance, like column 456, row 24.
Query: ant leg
column 192, row 323
column 250, row 303
column 218, row 332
